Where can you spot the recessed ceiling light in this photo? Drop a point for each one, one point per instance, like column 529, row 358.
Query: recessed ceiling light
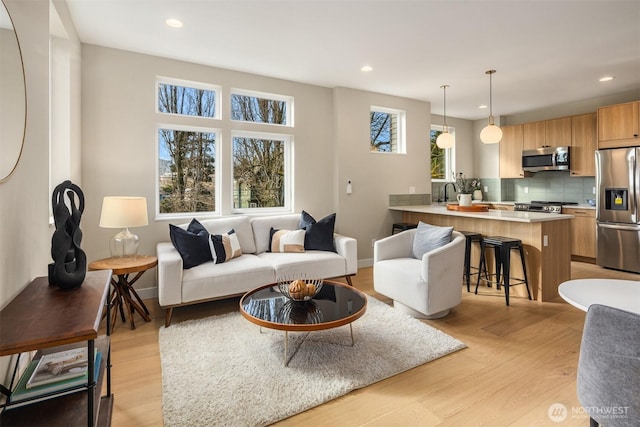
column 606, row 78
column 174, row 23
column 366, row 68
column 483, row 106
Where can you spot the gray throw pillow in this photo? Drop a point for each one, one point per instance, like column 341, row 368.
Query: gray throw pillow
column 430, row 237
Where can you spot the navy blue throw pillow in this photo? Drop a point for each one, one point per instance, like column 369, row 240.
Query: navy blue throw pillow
column 318, row 234
column 192, row 244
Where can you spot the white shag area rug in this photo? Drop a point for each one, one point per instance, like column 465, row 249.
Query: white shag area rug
column 224, row 371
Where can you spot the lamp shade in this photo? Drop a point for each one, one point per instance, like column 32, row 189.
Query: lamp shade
column 123, row 212
column 491, row 134
column 445, row 140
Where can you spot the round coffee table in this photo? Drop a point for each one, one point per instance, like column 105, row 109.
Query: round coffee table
column 335, row 305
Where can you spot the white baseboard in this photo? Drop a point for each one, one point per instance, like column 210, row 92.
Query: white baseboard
column 148, row 293
column 368, row 262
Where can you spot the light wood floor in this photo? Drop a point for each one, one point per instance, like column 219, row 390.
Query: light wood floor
column 519, row 360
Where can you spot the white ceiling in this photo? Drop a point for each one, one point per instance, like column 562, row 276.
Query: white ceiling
column 546, row 52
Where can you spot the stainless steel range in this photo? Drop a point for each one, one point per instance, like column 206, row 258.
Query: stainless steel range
column 543, row 207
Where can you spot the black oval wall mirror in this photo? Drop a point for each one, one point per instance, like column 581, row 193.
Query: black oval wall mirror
column 13, row 111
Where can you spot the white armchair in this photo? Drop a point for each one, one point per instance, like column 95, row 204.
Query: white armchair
column 425, row 288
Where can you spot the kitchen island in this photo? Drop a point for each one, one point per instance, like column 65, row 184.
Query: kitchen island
column 546, row 239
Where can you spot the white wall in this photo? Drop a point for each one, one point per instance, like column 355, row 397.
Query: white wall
column 364, row 214
column 120, row 138
column 25, row 237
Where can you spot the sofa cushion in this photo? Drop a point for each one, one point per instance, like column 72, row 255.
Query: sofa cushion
column 320, row 264
column 224, row 247
column 242, row 226
column 262, row 227
column 286, row 240
column 319, row 234
column 429, row 237
column 192, row 244
column 234, row 277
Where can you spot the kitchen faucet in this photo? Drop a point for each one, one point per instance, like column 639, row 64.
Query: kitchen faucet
column 445, row 189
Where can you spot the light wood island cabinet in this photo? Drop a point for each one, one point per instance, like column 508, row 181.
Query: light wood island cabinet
column 511, row 152
column 619, row 125
column 583, row 233
column 546, row 239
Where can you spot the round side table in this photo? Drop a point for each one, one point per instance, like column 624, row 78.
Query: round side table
column 124, row 294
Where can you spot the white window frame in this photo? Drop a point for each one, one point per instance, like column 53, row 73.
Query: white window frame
column 265, row 95
column 401, row 129
column 217, row 180
column 450, row 164
column 191, row 84
column 288, row 168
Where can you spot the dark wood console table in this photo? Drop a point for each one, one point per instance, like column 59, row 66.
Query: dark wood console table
column 49, row 319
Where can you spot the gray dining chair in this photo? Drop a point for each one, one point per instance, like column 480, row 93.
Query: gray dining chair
column 609, row 367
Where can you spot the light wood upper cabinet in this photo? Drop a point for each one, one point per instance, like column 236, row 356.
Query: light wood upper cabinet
column 583, row 232
column 583, row 144
column 558, row 132
column 533, row 135
column 547, row 133
column 511, row 152
column 619, row 125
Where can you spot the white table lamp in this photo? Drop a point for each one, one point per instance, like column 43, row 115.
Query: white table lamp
column 124, row 212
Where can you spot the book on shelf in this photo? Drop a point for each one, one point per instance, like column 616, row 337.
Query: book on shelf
column 59, row 366
column 21, row 392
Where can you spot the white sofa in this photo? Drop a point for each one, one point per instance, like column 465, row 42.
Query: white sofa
column 255, row 267
column 424, row 288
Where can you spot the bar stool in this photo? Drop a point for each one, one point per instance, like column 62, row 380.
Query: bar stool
column 470, row 237
column 402, row 226
column 502, row 248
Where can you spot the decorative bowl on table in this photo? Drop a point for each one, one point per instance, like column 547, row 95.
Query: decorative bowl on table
column 300, row 289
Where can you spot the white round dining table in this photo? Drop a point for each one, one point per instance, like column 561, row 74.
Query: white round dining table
column 622, row 294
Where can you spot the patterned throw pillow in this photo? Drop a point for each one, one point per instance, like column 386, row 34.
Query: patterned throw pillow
column 224, row 246
column 286, row 240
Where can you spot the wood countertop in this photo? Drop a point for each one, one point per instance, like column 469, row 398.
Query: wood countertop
column 491, row 214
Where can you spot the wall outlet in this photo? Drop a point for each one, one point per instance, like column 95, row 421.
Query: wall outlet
column 545, row 240
column 373, row 242
column 412, row 190
column 526, row 190
column 486, row 189
column 593, row 191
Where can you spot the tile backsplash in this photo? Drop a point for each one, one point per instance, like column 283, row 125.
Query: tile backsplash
column 557, row 186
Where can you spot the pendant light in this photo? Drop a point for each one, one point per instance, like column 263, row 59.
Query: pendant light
column 491, row 134
column 445, row 139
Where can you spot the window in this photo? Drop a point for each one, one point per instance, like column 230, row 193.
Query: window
column 258, row 107
column 387, row 130
column 187, row 98
column 441, row 159
column 195, row 158
column 186, row 170
column 261, row 170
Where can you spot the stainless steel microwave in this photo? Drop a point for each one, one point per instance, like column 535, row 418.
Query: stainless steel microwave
column 546, row 159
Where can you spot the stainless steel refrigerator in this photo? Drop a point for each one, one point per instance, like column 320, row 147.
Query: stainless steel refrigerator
column 617, row 216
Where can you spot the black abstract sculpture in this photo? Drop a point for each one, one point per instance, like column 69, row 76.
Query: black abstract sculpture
column 69, row 266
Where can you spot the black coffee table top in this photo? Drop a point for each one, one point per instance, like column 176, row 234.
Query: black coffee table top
column 335, row 305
